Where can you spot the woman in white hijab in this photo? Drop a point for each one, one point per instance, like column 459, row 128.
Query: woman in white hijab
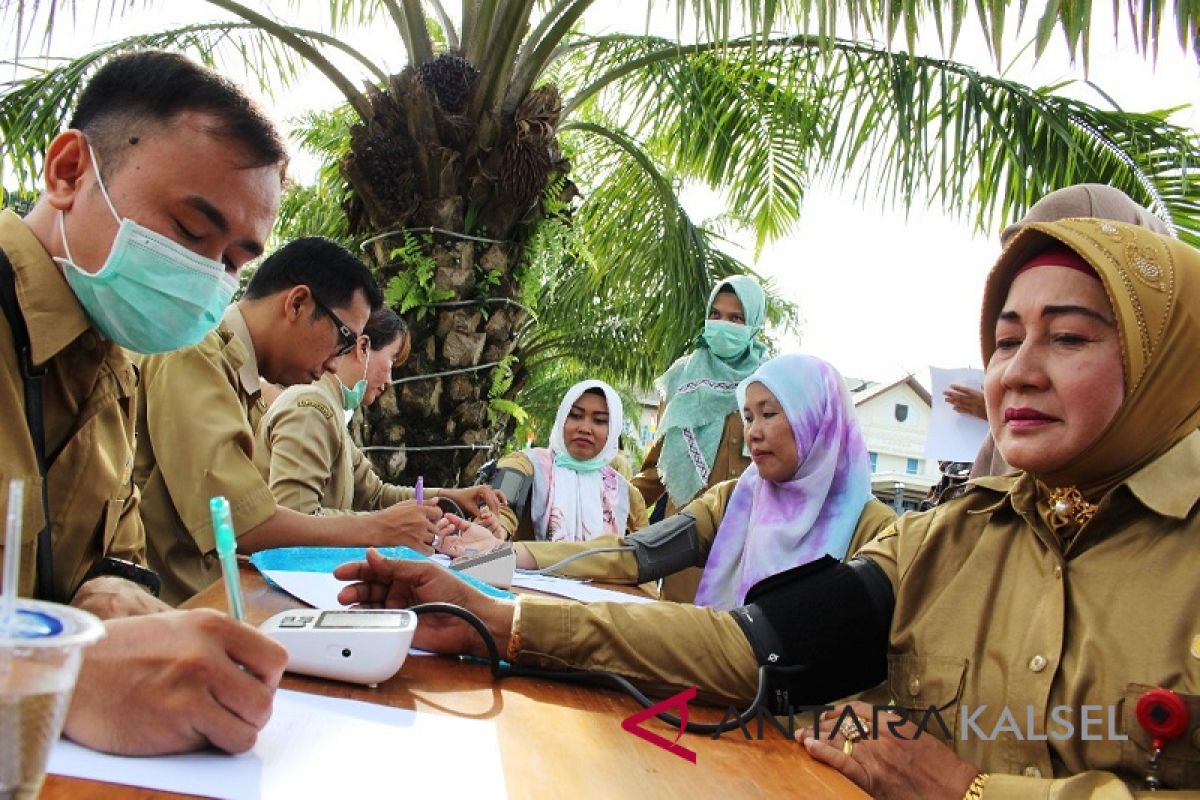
column 570, row 491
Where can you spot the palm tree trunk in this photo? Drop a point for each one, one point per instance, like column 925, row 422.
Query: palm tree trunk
column 449, row 205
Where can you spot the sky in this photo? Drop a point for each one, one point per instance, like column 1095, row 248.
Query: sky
column 881, row 293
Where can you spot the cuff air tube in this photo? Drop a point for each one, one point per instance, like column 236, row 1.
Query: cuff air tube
column 829, row 617
column 666, row 547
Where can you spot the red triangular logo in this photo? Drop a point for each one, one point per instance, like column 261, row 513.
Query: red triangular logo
column 633, row 724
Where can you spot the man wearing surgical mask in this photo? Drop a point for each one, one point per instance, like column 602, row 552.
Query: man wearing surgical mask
column 198, row 410
column 166, row 182
column 305, row 453
column 700, row 440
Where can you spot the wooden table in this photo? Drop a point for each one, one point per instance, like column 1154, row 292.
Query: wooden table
column 556, row 739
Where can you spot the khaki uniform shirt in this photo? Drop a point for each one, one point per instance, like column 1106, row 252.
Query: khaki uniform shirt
column 992, row 612
column 522, row 530
column 729, row 464
column 88, row 399
column 199, row 407
column 708, row 510
column 306, row 455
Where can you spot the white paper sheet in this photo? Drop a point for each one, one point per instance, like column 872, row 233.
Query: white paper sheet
column 576, row 590
column 318, row 589
column 953, row 436
column 320, row 747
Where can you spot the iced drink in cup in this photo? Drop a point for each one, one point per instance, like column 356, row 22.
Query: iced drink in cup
column 41, row 647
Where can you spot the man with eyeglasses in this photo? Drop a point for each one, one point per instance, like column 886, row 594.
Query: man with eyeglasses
column 198, row 408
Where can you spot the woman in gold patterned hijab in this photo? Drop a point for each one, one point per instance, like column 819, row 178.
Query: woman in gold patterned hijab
column 1005, row 598
column 1152, row 287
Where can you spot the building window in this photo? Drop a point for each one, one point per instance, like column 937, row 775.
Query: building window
column 874, row 461
column 901, row 412
column 911, row 467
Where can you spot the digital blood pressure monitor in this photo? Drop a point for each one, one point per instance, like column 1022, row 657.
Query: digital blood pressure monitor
column 358, row 646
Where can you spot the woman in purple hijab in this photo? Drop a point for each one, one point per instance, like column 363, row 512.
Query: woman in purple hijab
column 807, row 494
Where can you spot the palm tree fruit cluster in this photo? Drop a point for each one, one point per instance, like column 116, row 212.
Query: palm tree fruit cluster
column 449, row 78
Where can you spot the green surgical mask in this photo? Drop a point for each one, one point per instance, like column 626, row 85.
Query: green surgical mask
column 152, row 294
column 352, row 398
column 569, row 461
column 727, row 339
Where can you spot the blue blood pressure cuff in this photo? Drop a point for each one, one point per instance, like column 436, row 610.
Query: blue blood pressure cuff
column 666, row 547
column 827, row 617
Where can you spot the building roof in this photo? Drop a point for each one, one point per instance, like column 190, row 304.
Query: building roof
column 870, row 392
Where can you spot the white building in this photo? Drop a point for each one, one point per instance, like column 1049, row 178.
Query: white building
column 895, row 421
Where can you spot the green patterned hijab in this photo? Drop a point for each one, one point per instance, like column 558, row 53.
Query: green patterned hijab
column 701, row 391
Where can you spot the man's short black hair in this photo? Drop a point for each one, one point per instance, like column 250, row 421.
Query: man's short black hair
column 384, row 327
column 330, row 271
column 153, row 86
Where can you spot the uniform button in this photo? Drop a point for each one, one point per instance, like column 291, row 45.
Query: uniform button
column 1058, row 572
column 914, row 687
column 1037, row 663
column 1031, row 772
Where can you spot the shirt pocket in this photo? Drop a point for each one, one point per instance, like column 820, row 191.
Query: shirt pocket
column 928, row 685
column 1179, row 762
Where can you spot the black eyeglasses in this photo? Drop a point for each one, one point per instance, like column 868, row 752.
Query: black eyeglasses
column 347, row 338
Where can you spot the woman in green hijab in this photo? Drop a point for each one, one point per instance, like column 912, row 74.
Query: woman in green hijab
column 700, row 441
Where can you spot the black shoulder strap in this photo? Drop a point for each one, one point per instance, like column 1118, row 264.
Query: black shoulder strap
column 32, row 377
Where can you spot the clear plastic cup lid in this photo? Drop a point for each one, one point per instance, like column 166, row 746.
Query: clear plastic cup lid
column 50, row 624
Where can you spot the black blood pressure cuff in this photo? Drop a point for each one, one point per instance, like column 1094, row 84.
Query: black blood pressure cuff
column 830, row 618
column 666, row 547
column 516, row 486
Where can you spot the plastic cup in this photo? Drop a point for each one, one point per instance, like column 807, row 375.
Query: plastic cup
column 40, row 653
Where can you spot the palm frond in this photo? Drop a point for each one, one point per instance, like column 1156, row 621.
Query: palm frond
column 630, row 299
column 903, row 19
column 759, row 120
column 34, row 105
column 319, row 209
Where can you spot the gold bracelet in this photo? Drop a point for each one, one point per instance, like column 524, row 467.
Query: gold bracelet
column 975, row 790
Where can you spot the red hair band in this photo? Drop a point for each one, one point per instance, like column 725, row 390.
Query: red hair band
column 1057, row 256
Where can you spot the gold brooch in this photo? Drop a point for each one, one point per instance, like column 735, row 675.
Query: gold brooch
column 1068, row 506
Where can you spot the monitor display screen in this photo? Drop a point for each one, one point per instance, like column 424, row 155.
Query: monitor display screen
column 362, row 619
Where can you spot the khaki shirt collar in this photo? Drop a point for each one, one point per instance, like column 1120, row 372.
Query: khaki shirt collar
column 332, row 389
column 248, row 371
column 52, row 314
column 1156, row 485
column 1003, row 486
